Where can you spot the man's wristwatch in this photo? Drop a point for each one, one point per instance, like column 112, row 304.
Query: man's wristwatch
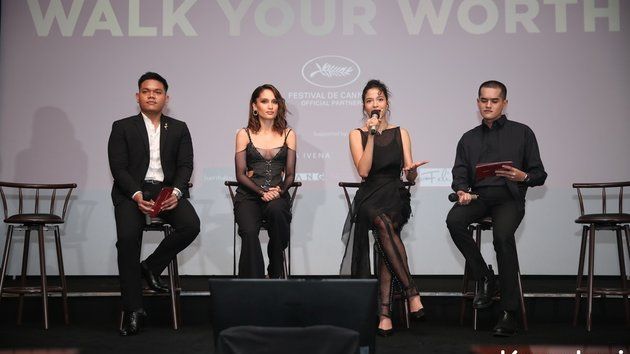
column 177, row 193
column 526, row 180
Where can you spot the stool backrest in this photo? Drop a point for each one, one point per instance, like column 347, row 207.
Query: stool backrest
column 25, row 194
column 232, row 185
column 604, row 187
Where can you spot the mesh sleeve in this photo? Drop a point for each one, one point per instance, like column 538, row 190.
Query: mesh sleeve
column 289, row 171
column 241, row 173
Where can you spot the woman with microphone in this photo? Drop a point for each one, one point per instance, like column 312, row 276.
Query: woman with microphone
column 265, row 169
column 382, row 154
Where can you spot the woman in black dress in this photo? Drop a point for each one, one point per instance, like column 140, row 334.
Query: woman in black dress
column 381, row 154
column 265, row 169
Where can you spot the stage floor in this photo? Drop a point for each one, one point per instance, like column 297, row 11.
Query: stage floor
column 94, row 311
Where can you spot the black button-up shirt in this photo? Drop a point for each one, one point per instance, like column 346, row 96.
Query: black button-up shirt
column 490, row 150
column 505, row 141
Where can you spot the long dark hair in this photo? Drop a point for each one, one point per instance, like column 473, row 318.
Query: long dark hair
column 280, row 122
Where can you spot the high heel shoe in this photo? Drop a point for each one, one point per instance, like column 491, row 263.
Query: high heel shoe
column 385, row 332
column 385, row 315
column 418, row 315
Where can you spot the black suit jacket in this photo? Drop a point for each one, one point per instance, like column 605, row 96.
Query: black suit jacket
column 128, row 152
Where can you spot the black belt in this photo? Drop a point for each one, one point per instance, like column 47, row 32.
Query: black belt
column 152, row 181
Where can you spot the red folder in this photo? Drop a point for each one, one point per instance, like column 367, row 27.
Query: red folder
column 164, row 194
column 485, row 170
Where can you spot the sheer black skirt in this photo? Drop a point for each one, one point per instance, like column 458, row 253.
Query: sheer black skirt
column 381, row 205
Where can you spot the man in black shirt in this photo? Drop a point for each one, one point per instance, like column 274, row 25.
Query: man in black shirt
column 501, row 196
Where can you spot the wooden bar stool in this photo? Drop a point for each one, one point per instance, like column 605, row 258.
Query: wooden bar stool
column 232, row 185
column 398, row 297
column 40, row 221
column 591, row 223
column 484, row 224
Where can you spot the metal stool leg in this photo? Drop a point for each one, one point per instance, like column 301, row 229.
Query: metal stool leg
column 288, row 258
column 173, row 295
column 178, row 289
column 580, row 275
column 234, row 249
column 27, row 243
column 42, row 267
column 62, row 276
column 465, row 284
column 174, row 291
column 522, row 301
column 622, row 272
column 591, row 266
column 5, row 258
column 478, row 230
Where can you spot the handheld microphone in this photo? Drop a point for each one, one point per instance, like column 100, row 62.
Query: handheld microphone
column 453, row 197
column 376, row 113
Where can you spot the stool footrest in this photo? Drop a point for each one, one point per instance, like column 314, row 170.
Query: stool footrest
column 31, row 289
column 151, row 292
column 603, row 291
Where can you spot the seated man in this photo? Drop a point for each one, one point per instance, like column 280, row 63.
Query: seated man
column 501, row 196
column 147, row 151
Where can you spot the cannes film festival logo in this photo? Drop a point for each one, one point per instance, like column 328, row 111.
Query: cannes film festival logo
column 331, row 71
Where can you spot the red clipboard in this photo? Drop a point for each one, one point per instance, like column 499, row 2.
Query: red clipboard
column 164, row 194
column 485, row 170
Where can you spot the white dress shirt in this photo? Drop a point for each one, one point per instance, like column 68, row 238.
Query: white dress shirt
column 154, row 172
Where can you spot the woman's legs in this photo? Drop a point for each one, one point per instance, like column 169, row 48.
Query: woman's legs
column 249, row 217
column 278, row 216
column 393, row 267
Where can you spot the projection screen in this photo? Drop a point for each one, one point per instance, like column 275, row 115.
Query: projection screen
column 68, row 69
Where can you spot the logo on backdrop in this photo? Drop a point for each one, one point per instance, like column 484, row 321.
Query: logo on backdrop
column 435, row 177
column 309, row 176
column 331, row 71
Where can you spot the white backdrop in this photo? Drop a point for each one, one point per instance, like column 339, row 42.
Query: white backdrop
column 68, row 69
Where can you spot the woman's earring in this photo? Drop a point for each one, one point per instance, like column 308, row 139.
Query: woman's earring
column 255, row 113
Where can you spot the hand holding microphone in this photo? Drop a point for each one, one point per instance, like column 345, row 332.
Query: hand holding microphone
column 462, row 197
column 374, row 115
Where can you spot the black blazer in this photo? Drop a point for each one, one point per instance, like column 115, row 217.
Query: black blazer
column 128, row 152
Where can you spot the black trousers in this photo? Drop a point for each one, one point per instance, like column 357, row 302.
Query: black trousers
column 129, row 224
column 249, row 214
column 506, row 213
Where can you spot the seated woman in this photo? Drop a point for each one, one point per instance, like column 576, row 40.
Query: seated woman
column 381, row 152
column 265, row 169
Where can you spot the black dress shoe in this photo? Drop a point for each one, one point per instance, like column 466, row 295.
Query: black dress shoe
column 385, row 332
column 152, row 280
column 132, row 322
column 486, row 290
column 506, row 326
column 418, row 315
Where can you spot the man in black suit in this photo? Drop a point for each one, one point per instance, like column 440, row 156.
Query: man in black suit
column 501, row 196
column 146, row 152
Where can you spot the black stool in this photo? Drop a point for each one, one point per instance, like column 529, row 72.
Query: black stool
column 591, row 223
column 232, row 185
column 400, row 301
column 484, row 224
column 48, row 220
column 160, row 225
